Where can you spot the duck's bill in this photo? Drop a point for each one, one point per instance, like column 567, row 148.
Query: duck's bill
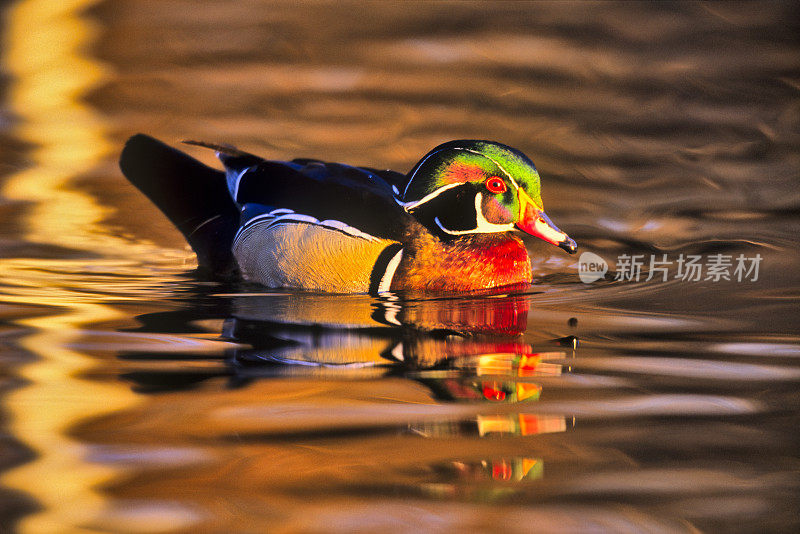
column 535, row 222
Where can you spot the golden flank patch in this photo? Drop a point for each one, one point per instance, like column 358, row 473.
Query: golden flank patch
column 308, row 256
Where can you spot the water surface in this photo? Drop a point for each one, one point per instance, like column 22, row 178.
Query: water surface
column 138, row 397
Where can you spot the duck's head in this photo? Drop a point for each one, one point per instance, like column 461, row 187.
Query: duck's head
column 473, row 187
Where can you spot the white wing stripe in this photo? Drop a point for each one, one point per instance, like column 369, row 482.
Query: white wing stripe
column 286, row 216
column 295, row 217
column 233, row 182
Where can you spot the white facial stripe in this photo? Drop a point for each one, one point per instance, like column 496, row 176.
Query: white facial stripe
column 386, row 280
column 421, row 163
column 513, row 182
column 483, row 226
column 411, row 178
column 430, row 196
column 451, row 232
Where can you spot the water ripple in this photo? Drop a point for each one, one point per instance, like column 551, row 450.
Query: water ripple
column 682, row 367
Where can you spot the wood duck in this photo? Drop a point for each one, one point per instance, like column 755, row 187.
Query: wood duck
column 307, row 224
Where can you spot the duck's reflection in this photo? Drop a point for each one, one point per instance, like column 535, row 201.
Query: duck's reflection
column 514, row 424
column 465, row 350
column 492, row 377
column 470, row 354
column 485, row 480
column 501, row 469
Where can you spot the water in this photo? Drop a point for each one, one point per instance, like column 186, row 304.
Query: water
column 137, row 397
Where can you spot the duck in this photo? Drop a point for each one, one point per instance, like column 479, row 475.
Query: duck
column 449, row 225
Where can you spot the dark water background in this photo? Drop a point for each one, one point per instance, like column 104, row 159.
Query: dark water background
column 135, row 397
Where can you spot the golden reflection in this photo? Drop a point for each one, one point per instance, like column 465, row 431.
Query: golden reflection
column 521, row 424
column 499, row 470
column 492, row 377
column 42, row 50
column 485, row 480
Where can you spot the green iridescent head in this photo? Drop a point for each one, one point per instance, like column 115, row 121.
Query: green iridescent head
column 469, row 187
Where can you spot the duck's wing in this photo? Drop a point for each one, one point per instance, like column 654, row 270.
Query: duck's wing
column 316, row 225
column 396, row 180
column 192, row 195
column 330, row 193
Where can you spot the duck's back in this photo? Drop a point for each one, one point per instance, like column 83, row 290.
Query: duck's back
column 318, row 226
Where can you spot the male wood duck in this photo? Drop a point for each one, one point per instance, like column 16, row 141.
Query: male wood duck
column 307, row 224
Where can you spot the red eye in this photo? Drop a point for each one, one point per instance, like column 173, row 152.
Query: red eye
column 495, row 185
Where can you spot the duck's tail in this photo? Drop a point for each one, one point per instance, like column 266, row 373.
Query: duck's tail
column 192, row 195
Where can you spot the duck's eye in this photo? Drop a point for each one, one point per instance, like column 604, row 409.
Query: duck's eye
column 495, row 185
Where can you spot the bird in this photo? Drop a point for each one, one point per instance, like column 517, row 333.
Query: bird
column 448, row 225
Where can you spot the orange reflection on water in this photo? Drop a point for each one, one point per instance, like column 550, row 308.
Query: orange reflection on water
column 44, row 43
column 43, row 53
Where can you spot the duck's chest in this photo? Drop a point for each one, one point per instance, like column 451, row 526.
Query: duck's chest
column 479, row 261
column 313, row 256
